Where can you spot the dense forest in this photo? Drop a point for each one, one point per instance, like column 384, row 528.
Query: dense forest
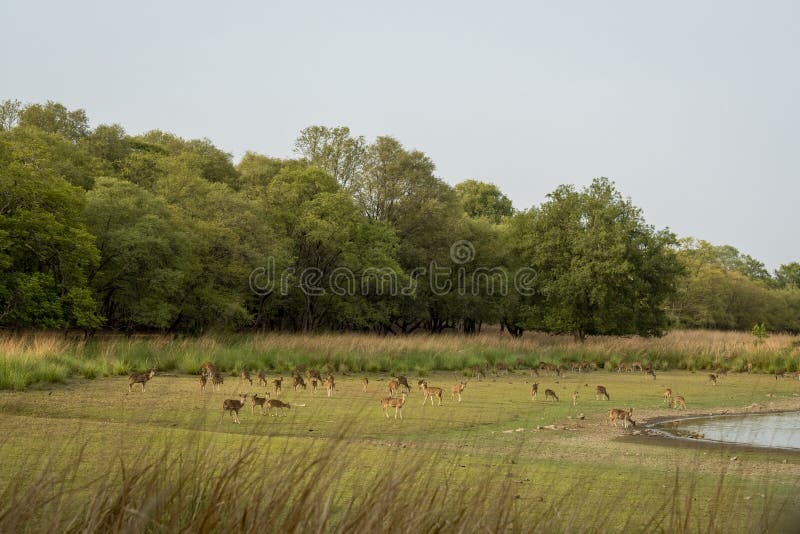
column 103, row 230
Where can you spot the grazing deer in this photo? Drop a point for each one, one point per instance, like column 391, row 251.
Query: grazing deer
column 262, row 378
column 216, row 380
column 403, row 381
column 779, row 374
column 298, row 383
column 616, row 414
column 365, row 382
column 456, row 390
column 575, row 396
column 534, row 373
column 534, row 390
column 140, row 378
column 277, row 384
column 245, row 375
column 429, row 392
column 258, row 401
column 393, row 402
column 203, row 380
column 330, row 385
column 600, row 391
column 277, row 405
column 712, row 379
column 549, row 393
column 232, row 406
column 623, row 368
column 678, row 402
column 667, row 395
column 637, row 366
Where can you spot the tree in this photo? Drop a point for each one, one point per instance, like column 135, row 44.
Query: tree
column 45, row 247
column 788, row 275
column 9, row 113
column 54, row 118
column 481, row 199
column 600, row 268
column 333, row 150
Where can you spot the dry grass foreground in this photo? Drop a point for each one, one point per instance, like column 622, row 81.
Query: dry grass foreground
column 88, row 455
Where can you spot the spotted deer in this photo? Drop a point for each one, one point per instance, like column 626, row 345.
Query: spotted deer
column 140, row 378
column 313, row 385
column 277, row 385
column 534, row 390
column 393, row 386
column 616, row 414
column 207, row 369
column 217, row 380
column 457, row 389
column 298, row 382
column 667, row 396
column 678, row 402
column 550, row 394
column 311, row 374
column 232, row 406
column 575, row 396
column 403, row 381
column 262, row 378
column 258, row 401
column 393, row 402
column 330, row 385
column 277, row 405
column 203, row 381
column 429, row 392
column 651, row 372
column 245, row 376
column 749, row 367
column 600, row 392
column 712, row 379
column 365, row 383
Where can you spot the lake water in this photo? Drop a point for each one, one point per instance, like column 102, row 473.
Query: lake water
column 780, row 430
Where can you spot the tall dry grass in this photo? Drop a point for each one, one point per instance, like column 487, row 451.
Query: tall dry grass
column 51, row 357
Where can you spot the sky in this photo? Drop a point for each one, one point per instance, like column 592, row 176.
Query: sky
column 690, row 107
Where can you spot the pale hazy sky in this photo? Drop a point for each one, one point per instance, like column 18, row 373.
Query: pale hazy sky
column 691, row 107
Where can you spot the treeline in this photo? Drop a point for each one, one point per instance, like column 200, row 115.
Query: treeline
column 103, row 230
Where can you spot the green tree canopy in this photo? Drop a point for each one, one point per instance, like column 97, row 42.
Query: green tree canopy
column 481, row 199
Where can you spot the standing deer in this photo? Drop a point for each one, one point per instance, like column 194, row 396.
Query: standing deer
column 365, row 382
column 277, row 405
column 401, row 380
column 749, row 367
column 616, row 414
column 277, row 384
column 600, row 391
column 262, row 378
column 245, row 375
column 534, row 390
column 667, row 395
column 207, row 369
column 298, row 383
column 258, row 401
column 678, row 402
column 330, row 385
column 232, row 406
column 312, row 374
column 203, row 380
column 636, row 366
column 550, row 394
column 457, row 389
column 216, row 380
column 393, row 402
column 393, row 385
column 313, row 385
column 140, row 378
column 651, row 372
column 429, row 392
column 712, row 379
column 575, row 396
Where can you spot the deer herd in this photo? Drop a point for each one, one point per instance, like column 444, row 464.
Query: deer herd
column 399, row 388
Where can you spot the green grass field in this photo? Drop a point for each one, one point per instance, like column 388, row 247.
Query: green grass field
column 484, row 462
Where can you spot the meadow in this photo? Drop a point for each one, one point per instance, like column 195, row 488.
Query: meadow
column 84, row 453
